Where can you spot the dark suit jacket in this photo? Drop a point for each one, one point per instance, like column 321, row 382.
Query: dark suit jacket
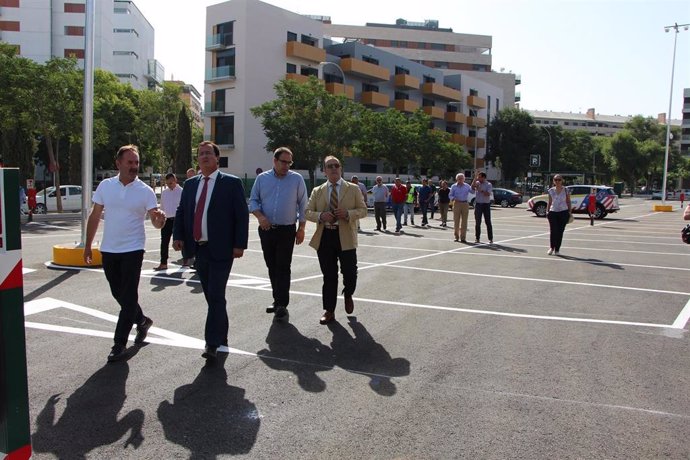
column 227, row 217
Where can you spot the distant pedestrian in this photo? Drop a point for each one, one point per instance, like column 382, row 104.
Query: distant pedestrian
column 22, row 199
column 127, row 200
column 398, row 196
column 278, row 200
column 559, row 213
column 592, row 205
column 170, row 199
column 682, row 198
column 381, row 193
column 410, row 202
column 424, row 195
column 482, row 206
column 443, row 202
column 363, row 189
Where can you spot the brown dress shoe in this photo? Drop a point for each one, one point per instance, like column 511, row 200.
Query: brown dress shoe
column 328, row 316
column 161, row 267
column 349, row 304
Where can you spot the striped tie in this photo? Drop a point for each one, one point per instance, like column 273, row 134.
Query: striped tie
column 334, row 198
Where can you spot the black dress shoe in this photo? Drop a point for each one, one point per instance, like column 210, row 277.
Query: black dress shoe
column 328, row 317
column 117, row 353
column 349, row 304
column 142, row 330
column 280, row 311
column 210, row 353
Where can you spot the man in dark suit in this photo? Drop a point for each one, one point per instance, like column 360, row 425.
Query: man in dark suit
column 212, row 224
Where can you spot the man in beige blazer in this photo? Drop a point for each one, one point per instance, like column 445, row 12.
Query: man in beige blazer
column 336, row 206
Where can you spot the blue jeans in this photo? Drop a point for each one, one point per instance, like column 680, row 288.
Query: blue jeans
column 397, row 212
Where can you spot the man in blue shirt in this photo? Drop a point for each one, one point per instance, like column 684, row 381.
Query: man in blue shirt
column 423, row 196
column 482, row 206
column 278, row 200
column 458, row 195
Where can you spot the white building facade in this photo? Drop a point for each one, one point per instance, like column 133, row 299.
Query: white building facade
column 251, row 45
column 123, row 38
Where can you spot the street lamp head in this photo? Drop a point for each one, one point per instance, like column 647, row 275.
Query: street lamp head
column 666, row 29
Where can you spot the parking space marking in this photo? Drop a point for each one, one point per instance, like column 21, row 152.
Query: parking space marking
column 629, row 251
column 683, row 317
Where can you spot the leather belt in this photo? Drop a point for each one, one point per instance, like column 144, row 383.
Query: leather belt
column 461, row 201
column 201, row 243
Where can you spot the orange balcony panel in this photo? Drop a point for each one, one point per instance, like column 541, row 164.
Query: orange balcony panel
column 457, row 138
column 434, row 112
column 406, row 81
column 476, row 101
column 456, row 117
column 303, row 51
column 339, row 88
column 364, row 69
column 406, row 105
column 297, row 77
column 444, row 92
column 476, row 122
column 469, row 142
column 376, row 99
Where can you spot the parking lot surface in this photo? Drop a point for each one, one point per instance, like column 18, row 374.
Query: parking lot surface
column 453, row 351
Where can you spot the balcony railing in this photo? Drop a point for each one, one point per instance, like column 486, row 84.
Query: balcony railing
column 339, row 88
column 456, row 117
column 457, row 138
column 225, row 72
column 441, row 91
column 470, row 142
column 214, row 107
column 476, row 122
column 476, row 101
column 221, row 140
column 434, row 112
column 405, row 81
column 364, row 69
column 375, row 99
column 218, row 41
column 304, row 51
column 406, row 105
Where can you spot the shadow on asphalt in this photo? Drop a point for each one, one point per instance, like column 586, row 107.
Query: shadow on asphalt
column 50, row 285
column 591, row 261
column 90, row 418
column 210, row 417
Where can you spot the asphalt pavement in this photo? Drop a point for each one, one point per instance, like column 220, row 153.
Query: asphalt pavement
column 453, row 350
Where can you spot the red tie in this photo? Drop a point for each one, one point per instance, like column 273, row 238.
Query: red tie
column 199, row 211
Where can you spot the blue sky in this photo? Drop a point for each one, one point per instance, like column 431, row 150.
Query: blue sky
column 612, row 55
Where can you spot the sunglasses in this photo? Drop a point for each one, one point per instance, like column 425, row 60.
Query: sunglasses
column 333, row 166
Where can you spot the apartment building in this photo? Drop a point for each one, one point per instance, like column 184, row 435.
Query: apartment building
column 251, row 45
column 592, row 122
column 192, row 99
column 123, row 38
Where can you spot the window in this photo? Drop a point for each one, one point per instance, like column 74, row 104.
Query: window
column 428, row 79
column 9, row 26
column 122, row 11
column 366, row 87
column 401, row 95
column 72, row 7
column 441, row 65
column 427, row 102
column 225, row 130
column 307, row 40
column 438, row 46
column 129, row 76
column 74, row 31
column 474, row 92
column 126, row 53
column 370, row 60
column 74, row 53
column 309, row 71
column 367, row 168
column 401, row 71
column 226, row 59
column 567, row 123
column 225, row 31
column 218, row 101
column 330, row 78
column 126, row 31
column 474, row 113
column 291, row 37
column 223, row 162
column 291, row 68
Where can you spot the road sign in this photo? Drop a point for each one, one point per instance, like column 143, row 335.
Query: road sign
column 534, row 160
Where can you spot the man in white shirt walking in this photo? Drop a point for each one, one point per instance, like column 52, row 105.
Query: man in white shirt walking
column 170, row 199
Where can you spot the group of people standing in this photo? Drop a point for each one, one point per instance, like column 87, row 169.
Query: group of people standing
column 210, row 224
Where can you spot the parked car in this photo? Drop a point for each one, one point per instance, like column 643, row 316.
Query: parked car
column 70, row 196
column 505, row 197
column 656, row 195
column 607, row 201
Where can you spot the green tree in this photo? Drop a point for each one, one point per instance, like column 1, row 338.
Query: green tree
column 183, row 149
column 513, row 137
column 626, row 157
column 309, row 120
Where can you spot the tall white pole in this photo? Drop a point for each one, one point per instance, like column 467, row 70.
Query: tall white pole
column 548, row 181
column 87, row 122
column 670, row 104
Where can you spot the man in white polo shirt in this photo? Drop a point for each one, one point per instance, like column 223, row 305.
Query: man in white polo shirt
column 170, row 199
column 127, row 201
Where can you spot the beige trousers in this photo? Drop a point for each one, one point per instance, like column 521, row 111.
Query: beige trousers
column 461, row 211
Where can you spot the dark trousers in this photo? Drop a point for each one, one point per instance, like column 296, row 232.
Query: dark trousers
column 122, row 271
column 277, row 245
column 424, row 207
column 483, row 209
column 329, row 254
column 214, row 275
column 166, row 234
column 380, row 214
column 557, row 222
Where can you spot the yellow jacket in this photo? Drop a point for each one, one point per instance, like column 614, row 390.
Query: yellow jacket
column 350, row 198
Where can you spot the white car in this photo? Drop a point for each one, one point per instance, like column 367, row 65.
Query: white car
column 69, row 194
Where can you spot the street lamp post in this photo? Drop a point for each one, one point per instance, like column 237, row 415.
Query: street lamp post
column 324, row 63
column 676, row 27
column 547, row 132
